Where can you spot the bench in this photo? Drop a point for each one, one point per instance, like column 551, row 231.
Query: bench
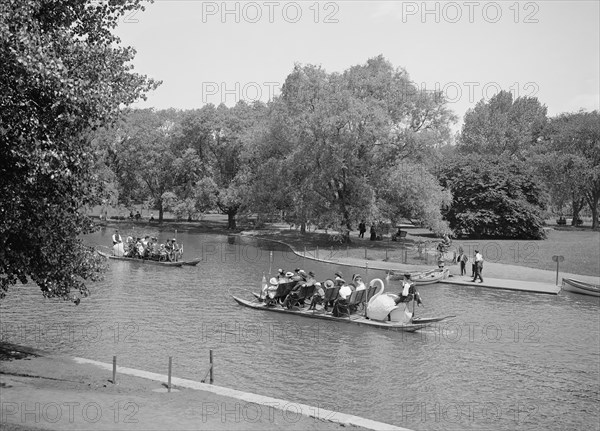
column 400, row 234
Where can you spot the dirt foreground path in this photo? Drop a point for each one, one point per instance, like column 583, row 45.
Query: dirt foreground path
column 42, row 391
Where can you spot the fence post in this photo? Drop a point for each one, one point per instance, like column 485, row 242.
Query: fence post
column 211, row 367
column 170, row 366
column 114, row 380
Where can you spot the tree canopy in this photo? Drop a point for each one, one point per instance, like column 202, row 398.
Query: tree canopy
column 503, row 126
column 331, row 139
column 63, row 74
column 494, row 198
column 574, row 140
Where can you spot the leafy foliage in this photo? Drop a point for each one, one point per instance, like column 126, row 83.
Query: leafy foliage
column 501, row 126
column 63, row 74
column 572, row 160
column 329, row 141
column 493, row 198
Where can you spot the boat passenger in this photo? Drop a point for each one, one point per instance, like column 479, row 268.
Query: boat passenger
column 409, row 292
column 317, row 297
column 339, row 279
column 175, row 246
column 280, row 276
column 116, row 238
column 169, row 249
column 294, row 294
column 358, row 282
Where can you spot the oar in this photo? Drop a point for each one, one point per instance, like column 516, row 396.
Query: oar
column 270, row 261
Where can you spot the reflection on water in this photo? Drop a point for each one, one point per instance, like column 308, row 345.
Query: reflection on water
column 510, row 360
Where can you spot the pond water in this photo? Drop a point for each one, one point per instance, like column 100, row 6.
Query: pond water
column 509, row 360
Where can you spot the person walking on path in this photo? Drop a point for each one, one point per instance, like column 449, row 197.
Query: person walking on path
column 362, row 228
column 462, row 259
column 478, row 266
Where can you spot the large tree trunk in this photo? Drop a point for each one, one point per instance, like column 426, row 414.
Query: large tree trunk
column 577, row 205
column 592, row 197
column 231, row 224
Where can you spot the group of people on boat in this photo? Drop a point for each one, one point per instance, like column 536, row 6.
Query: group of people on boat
column 147, row 248
column 289, row 289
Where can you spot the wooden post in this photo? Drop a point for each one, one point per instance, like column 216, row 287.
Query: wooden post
column 114, row 370
column 170, row 366
column 211, row 367
column 317, row 252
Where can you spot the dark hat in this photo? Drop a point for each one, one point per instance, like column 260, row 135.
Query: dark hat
column 312, row 274
column 339, row 274
column 476, row 251
column 407, row 275
column 297, row 270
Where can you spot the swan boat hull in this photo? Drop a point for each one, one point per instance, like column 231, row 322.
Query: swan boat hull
column 357, row 319
column 581, row 287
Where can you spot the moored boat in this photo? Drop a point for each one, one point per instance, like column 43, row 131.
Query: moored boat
column 430, row 277
column 581, row 287
column 426, row 277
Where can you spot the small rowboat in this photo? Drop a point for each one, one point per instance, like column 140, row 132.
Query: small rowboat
column 152, row 262
column 582, row 287
column 357, row 319
column 431, row 277
column 424, row 278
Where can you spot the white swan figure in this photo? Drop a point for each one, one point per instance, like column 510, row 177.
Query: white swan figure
column 381, row 305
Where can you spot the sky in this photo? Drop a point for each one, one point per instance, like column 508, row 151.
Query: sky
column 221, row 52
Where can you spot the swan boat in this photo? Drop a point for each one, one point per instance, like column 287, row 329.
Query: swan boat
column 380, row 311
column 150, row 261
column 582, row 287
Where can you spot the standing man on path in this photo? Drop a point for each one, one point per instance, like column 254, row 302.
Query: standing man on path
column 362, row 228
column 478, row 266
column 462, row 259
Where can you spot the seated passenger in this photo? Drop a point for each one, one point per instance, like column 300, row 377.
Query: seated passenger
column 317, row 297
column 358, row 282
column 300, row 279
